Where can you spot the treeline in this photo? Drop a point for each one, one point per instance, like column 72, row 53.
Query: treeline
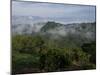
column 32, row 54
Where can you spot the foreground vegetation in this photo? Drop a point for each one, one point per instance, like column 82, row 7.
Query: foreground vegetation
column 32, row 54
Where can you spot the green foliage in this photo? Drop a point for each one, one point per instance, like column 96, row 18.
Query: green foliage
column 50, row 25
column 22, row 61
column 38, row 54
column 90, row 48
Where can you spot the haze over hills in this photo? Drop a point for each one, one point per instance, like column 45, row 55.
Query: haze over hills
column 75, row 32
column 49, row 37
column 34, row 23
column 36, row 15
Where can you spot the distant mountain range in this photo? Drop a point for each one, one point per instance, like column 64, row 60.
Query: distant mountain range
column 17, row 19
column 32, row 25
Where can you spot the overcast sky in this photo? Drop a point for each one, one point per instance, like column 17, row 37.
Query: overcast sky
column 63, row 12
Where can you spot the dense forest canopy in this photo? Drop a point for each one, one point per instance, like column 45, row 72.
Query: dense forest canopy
column 68, row 47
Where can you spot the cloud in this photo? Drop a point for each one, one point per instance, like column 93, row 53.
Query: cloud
column 59, row 11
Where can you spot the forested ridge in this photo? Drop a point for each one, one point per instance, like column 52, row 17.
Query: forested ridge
column 45, row 51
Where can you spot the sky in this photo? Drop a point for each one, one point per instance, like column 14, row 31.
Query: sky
column 57, row 12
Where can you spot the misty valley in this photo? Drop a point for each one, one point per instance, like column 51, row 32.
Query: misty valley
column 53, row 46
column 52, row 37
